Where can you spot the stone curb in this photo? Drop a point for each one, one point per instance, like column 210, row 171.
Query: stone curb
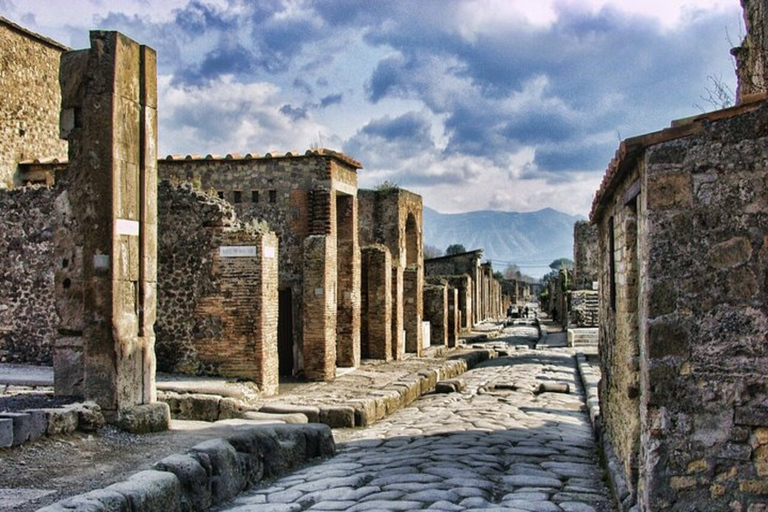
column 31, row 424
column 366, row 410
column 210, row 473
column 591, row 381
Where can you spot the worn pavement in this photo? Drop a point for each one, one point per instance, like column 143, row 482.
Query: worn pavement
column 505, row 443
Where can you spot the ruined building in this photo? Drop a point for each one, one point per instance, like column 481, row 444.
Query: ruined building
column 310, row 201
column 583, row 295
column 31, row 98
column 218, row 290
column 480, row 293
column 391, row 230
column 682, row 219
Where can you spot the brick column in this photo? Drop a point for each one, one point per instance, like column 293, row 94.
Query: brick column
column 376, row 314
column 436, row 313
column 413, row 284
column 319, row 300
column 454, row 315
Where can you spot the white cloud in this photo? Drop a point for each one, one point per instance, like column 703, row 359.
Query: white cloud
column 225, row 116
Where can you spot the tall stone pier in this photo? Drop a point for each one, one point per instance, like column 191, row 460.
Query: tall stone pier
column 106, row 234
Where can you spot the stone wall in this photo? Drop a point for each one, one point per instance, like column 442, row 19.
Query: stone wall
column 27, row 315
column 217, row 308
column 393, row 217
column 454, row 265
column 436, row 313
column 618, row 334
column 31, row 96
column 585, row 256
column 299, row 196
column 752, row 55
column 685, row 350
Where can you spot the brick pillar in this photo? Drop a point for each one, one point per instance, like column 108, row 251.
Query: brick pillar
column 398, row 338
column 454, row 315
column 106, row 235
column 436, row 313
column 319, row 301
column 376, row 314
column 413, row 284
column 348, row 271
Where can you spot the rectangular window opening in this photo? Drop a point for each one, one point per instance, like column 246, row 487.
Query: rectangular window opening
column 238, row 196
column 254, row 196
column 273, row 196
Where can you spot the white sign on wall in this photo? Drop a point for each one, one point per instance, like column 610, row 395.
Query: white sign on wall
column 237, row 251
column 127, row 227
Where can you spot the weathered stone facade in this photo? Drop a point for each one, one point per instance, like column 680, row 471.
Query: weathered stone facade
column 752, row 55
column 310, row 201
column 683, row 239
column 393, row 218
column 27, row 316
column 31, row 96
column 585, row 256
column 106, row 231
column 217, row 290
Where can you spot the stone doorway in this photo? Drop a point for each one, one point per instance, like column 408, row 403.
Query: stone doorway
column 285, row 333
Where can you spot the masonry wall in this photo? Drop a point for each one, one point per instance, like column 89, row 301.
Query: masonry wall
column 217, row 313
column 752, row 56
column 298, row 196
column 458, row 264
column 619, row 331
column 704, row 358
column 27, row 314
column 690, row 311
column 463, row 286
column 585, row 255
column 31, row 97
column 376, row 310
column 436, row 313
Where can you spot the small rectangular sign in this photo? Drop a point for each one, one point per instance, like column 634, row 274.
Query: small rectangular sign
column 269, row 252
column 127, row 227
column 237, row 251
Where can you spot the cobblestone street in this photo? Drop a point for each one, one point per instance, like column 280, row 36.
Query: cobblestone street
column 516, row 439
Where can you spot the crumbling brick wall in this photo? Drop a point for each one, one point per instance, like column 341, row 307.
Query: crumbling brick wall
column 217, row 308
column 31, row 95
column 27, row 315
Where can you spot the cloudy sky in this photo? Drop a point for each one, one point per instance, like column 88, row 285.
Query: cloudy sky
column 511, row 105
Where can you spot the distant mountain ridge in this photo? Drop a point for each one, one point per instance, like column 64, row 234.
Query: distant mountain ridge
column 532, row 240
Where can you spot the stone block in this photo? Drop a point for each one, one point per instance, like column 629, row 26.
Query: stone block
column 60, row 421
column 227, row 477
column 338, row 416
column 6, row 432
column 756, row 416
column 38, row 424
column 275, row 417
column 194, row 480
column 89, row 417
column 143, row 419
column 310, row 411
column 101, row 500
column 428, row 380
column 22, row 423
column 150, row 490
column 248, row 452
column 365, row 411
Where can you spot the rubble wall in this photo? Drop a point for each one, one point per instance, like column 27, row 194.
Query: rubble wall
column 31, row 98
column 705, row 429
column 618, row 335
column 217, row 309
column 27, row 315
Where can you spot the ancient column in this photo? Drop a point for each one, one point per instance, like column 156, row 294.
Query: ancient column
column 106, row 234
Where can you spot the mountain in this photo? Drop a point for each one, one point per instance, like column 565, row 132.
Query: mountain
column 531, row 240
